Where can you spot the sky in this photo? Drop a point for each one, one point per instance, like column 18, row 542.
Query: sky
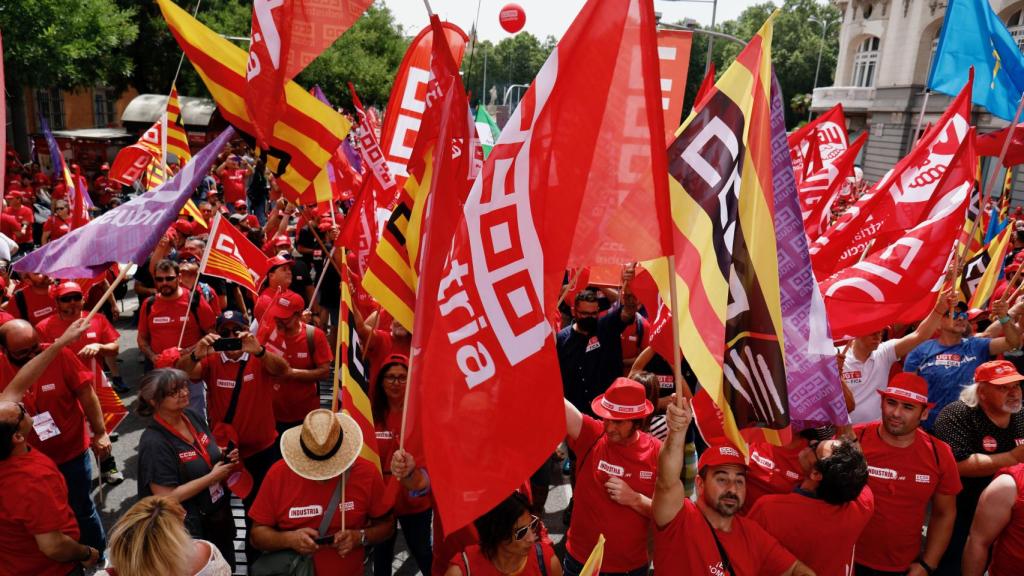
column 545, row 17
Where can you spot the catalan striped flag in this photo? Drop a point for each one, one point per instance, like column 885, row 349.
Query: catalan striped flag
column 190, row 209
column 981, row 273
column 177, row 140
column 306, row 134
column 355, row 399
column 230, row 255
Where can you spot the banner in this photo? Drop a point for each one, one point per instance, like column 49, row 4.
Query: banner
column 825, row 136
column 355, row 388
column 3, row 120
column 674, row 64
column 231, row 256
column 982, row 272
column 369, row 146
column 176, row 138
column 819, row 192
column 128, row 233
column 306, row 133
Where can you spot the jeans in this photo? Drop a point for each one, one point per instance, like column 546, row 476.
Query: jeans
column 572, row 567
column 416, row 530
column 77, row 473
column 865, row 571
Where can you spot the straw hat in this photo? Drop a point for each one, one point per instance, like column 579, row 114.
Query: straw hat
column 323, row 447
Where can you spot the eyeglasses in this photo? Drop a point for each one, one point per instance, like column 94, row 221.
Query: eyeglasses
column 957, row 315
column 165, row 278
column 70, row 298
column 520, row 533
column 177, row 389
column 402, row 378
column 21, row 415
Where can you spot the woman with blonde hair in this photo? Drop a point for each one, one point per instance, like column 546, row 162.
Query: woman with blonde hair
column 150, row 540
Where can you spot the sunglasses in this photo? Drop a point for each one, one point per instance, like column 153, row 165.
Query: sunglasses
column 165, row 278
column 70, row 298
column 520, row 533
column 24, row 354
column 21, row 415
column 958, row 315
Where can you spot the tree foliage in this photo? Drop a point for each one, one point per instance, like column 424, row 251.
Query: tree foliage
column 514, row 60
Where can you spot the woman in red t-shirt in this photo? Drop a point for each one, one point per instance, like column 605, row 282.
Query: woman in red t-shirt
column 58, row 224
column 510, row 543
column 411, row 507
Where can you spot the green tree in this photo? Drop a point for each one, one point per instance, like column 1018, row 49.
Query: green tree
column 61, row 44
column 514, row 60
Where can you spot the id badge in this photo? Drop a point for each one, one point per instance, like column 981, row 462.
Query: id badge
column 216, row 492
column 44, row 426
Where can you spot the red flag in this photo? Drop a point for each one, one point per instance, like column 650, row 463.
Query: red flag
column 898, row 202
column 820, row 190
column 79, row 204
column 360, row 229
column 286, row 37
column 812, row 158
column 991, row 144
column 489, row 357
column 827, row 132
column 3, row 122
column 369, row 146
column 406, row 105
column 674, row 55
column 231, row 256
column 705, row 87
column 901, row 283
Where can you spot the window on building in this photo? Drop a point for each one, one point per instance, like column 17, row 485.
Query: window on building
column 103, row 113
column 865, row 62
column 50, row 103
column 1015, row 24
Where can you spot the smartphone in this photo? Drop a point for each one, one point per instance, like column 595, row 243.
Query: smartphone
column 227, row 344
column 324, row 540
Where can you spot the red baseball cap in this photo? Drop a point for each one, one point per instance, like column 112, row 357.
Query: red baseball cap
column 906, row 386
column 721, row 455
column 286, row 305
column 104, row 166
column 625, row 399
column 282, row 240
column 997, row 372
column 240, row 203
column 279, row 260
column 65, row 288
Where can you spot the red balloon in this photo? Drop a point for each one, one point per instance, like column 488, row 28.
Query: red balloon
column 512, row 17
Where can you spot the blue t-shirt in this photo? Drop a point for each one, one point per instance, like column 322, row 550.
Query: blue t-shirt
column 947, row 369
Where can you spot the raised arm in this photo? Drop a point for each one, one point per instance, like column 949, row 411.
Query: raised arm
column 668, row 490
column 31, row 371
column 927, row 327
column 573, row 420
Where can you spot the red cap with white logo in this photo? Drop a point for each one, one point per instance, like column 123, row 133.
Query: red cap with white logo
column 721, row 455
column 286, row 304
column 998, row 372
column 908, row 387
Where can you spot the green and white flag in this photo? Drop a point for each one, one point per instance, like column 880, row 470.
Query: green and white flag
column 486, row 129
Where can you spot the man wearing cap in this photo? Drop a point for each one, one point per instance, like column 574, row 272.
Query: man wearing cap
column 13, row 227
column 33, row 301
column 279, row 279
column 233, row 175
column 999, row 521
column 94, row 348
column 709, row 537
column 164, row 316
column 616, row 464
column 16, row 207
column 300, row 489
column 909, row 471
column 307, row 352
column 985, row 430
column 866, row 366
column 948, row 362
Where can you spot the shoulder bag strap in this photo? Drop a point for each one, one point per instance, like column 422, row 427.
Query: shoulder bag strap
column 229, row 416
column 540, row 559
column 325, row 524
column 726, row 564
column 310, row 331
column 465, row 560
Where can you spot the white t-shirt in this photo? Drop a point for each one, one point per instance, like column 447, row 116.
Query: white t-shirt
column 864, row 378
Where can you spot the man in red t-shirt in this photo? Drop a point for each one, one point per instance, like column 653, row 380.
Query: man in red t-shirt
column 908, row 471
column 616, row 463
column 773, row 469
column 998, row 520
column 232, row 177
column 691, row 538
column 307, row 352
column 832, row 505
column 16, row 208
column 33, row 301
column 163, row 315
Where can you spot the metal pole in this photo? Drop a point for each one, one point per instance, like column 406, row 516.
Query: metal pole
column 920, row 117
column 817, row 69
column 711, row 39
column 483, row 88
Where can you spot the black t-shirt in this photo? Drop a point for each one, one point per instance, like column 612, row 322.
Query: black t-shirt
column 219, row 285
column 302, row 278
column 142, row 275
column 330, row 290
column 589, row 364
column 167, row 460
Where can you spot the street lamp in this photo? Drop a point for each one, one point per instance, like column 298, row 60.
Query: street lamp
column 824, row 26
column 711, row 37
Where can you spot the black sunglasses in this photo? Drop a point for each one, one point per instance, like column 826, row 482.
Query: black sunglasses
column 165, row 278
column 70, row 298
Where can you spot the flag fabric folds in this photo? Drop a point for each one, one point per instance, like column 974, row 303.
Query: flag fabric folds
column 177, row 139
column 592, row 567
column 307, row 132
column 901, row 282
column 674, row 64
column 355, row 386
column 231, row 256
column 128, row 233
column 825, row 137
column 819, row 192
column 486, row 129
column 981, row 273
column 991, row 144
column 973, row 35
column 190, row 209
column 369, row 146
column 489, row 360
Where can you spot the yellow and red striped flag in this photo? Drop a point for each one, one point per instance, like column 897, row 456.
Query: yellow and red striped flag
column 981, row 273
column 190, row 209
column 231, row 256
column 355, row 399
column 306, row 134
column 177, row 140
column 593, row 565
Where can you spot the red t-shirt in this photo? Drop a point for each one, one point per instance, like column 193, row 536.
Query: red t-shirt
column 10, row 225
column 33, row 500
column 100, row 332
column 234, row 185
column 24, row 216
column 388, row 438
column 792, row 517
column 773, row 470
column 632, row 344
column 686, row 546
column 293, row 399
column 479, row 565
column 254, row 416
column 287, row 501
column 39, row 305
column 56, row 227
column 1008, row 550
column 903, row 481
column 56, row 392
column 625, row 530
column 163, row 323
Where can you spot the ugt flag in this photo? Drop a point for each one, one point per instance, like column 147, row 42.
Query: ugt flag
column 128, row 233
column 973, row 35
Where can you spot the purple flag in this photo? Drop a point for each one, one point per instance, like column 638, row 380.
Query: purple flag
column 128, row 233
column 56, row 158
column 812, row 375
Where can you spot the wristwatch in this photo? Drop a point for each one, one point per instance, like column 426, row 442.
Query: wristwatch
column 261, row 353
column 362, row 539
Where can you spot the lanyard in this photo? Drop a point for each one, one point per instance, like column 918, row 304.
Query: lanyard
column 198, row 445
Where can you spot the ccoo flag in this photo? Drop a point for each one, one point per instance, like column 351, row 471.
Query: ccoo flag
column 982, row 272
column 231, row 256
column 355, row 400
column 128, row 233
column 973, row 35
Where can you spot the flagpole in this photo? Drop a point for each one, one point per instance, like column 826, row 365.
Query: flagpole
column 677, row 359
column 920, row 117
column 182, row 59
column 319, row 281
column 430, row 13
column 337, row 352
column 110, row 290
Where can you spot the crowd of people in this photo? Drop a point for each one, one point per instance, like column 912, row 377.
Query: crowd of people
column 230, row 395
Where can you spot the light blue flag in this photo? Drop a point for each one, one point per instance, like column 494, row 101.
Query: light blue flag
column 973, row 35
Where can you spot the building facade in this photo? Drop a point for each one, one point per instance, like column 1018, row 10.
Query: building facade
column 885, row 52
